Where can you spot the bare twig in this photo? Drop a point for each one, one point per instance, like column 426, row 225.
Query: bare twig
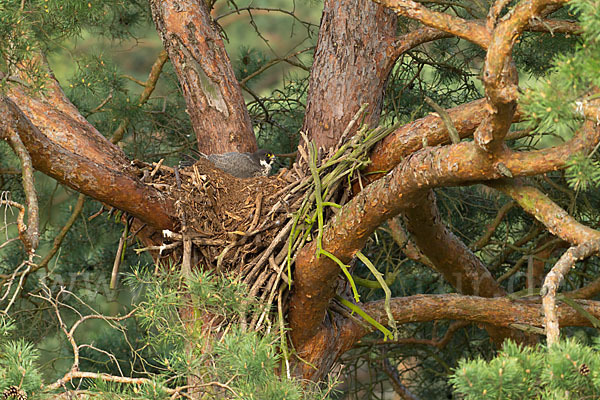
column 452, row 132
column 553, row 280
column 29, row 237
column 491, row 228
column 149, row 87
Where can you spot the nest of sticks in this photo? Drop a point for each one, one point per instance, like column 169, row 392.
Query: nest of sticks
column 252, row 229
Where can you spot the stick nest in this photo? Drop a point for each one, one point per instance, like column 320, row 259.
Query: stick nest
column 252, row 229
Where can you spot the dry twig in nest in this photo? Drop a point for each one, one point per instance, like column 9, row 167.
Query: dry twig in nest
column 252, row 229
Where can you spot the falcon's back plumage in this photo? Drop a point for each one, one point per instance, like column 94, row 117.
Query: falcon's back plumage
column 243, row 165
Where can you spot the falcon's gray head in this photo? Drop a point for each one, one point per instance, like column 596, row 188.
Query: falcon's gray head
column 265, row 158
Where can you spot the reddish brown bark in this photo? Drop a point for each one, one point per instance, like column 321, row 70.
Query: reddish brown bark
column 316, row 279
column 409, row 138
column 555, row 218
column 353, row 59
column 450, row 256
column 212, row 93
column 347, row 233
column 454, row 260
column 65, row 146
column 350, row 67
column 114, row 187
column 499, row 311
column 500, row 74
column 60, row 121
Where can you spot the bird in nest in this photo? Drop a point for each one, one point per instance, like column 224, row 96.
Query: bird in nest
column 241, row 165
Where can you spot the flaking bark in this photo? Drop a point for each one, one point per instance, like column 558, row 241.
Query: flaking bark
column 212, row 93
column 351, row 67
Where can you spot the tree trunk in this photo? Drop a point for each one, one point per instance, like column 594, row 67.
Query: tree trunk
column 350, row 69
column 212, row 93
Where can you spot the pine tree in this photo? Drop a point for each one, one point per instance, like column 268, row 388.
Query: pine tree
column 414, row 106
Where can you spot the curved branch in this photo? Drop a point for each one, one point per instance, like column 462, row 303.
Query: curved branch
column 431, row 167
column 413, row 39
column 563, row 225
column 472, row 31
column 500, row 74
column 60, row 121
column 554, row 279
column 114, row 187
column 555, row 218
column 30, row 236
column 451, row 258
column 499, row 311
column 408, row 138
column 554, row 26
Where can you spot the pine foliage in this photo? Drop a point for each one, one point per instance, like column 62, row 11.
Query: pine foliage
column 554, row 103
column 568, row 370
column 18, row 367
column 241, row 363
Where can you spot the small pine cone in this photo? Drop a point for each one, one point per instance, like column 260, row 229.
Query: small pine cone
column 584, row 370
column 14, row 392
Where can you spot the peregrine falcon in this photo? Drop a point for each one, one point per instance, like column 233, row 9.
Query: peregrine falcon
column 241, row 165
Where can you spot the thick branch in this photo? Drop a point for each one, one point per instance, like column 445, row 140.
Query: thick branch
column 556, row 219
column 499, row 311
column 408, row 138
column 451, row 258
column 60, row 121
column 212, row 93
column 431, row 167
column 500, row 74
column 588, row 291
column 426, row 34
column 114, row 187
